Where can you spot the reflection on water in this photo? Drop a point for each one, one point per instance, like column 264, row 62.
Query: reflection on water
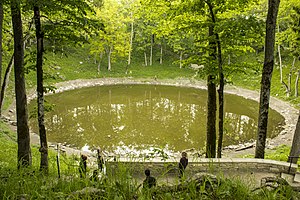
column 141, row 116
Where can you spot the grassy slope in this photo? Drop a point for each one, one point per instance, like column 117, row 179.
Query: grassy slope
column 69, row 68
column 251, row 80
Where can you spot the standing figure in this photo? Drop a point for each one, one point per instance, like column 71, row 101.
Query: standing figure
column 82, row 166
column 100, row 161
column 150, row 181
column 183, row 163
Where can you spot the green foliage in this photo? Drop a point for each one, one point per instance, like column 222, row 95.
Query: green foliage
column 113, row 39
column 251, row 78
column 281, row 153
column 64, row 22
column 281, row 192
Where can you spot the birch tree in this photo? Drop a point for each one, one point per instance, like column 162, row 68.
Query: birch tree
column 273, row 7
column 114, row 37
column 24, row 151
column 40, row 88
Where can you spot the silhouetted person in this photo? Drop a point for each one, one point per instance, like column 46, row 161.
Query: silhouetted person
column 150, row 181
column 100, row 161
column 182, row 164
column 82, row 166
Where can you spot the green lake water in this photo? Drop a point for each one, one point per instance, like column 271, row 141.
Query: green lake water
column 143, row 117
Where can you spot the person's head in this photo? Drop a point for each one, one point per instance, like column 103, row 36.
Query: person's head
column 184, row 154
column 147, row 172
column 83, row 157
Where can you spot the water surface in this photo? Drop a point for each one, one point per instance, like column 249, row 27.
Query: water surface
column 138, row 117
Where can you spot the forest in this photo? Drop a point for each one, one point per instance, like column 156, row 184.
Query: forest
column 239, row 42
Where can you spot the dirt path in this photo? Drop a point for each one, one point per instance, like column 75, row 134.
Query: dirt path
column 285, row 109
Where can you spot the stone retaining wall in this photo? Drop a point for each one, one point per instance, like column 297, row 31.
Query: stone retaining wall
column 223, row 165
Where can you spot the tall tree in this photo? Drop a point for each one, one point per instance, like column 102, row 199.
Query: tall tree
column 295, row 150
column 24, row 151
column 296, row 48
column 221, row 79
column 7, row 72
column 273, row 6
column 148, row 30
column 286, row 39
column 114, row 37
column 40, row 89
column 228, row 21
column 1, row 27
column 211, row 101
column 130, row 9
column 60, row 23
column 6, row 80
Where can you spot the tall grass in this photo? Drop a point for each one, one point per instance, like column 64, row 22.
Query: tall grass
column 120, row 182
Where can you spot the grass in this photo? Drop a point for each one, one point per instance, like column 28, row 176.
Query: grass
column 251, row 78
column 119, row 184
column 280, row 153
column 30, row 184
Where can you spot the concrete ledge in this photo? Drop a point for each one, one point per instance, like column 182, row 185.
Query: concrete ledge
column 214, row 165
column 297, row 177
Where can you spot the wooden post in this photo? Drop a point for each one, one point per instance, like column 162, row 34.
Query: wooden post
column 57, row 161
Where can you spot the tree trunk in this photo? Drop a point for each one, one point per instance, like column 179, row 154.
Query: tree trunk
column 180, row 59
column 280, row 64
column 297, row 77
column 5, row 81
column 145, row 55
column 40, row 90
column 297, row 83
column 289, row 84
column 151, row 50
column 109, row 59
column 1, row 27
column 211, row 102
column 24, row 151
column 266, row 78
column 53, row 50
column 295, row 149
column 161, row 54
column 280, row 60
column 286, row 86
column 99, row 64
column 293, row 64
column 211, row 118
column 221, row 82
column 7, row 72
column 221, row 99
column 131, row 41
